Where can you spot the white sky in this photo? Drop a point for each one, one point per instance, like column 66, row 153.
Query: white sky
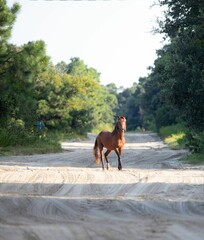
column 114, row 37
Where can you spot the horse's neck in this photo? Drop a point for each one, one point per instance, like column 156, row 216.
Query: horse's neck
column 119, row 134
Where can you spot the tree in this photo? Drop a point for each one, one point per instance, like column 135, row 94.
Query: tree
column 74, row 102
column 78, row 67
column 181, row 15
column 129, row 105
column 18, row 84
column 7, row 18
column 112, row 88
column 183, row 58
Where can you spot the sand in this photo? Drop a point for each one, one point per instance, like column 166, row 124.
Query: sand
column 68, row 196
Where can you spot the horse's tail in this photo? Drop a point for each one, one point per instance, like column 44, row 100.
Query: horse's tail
column 95, row 151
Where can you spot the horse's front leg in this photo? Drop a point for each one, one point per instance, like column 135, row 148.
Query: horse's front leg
column 119, row 159
column 106, row 157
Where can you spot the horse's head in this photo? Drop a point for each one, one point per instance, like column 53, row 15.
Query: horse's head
column 121, row 123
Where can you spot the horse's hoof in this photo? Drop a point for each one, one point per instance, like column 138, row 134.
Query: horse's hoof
column 107, row 166
column 119, row 167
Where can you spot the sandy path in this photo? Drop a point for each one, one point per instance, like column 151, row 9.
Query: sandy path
column 68, row 196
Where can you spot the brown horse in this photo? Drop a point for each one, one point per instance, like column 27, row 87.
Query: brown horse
column 114, row 140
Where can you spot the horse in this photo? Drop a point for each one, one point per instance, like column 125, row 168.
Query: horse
column 114, row 140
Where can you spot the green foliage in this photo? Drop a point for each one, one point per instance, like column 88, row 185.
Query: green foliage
column 14, row 134
column 112, row 88
column 7, row 18
column 73, row 102
column 104, row 104
column 41, row 143
column 180, row 15
column 174, row 90
column 180, row 64
column 69, row 98
column 178, row 70
column 175, row 140
column 102, row 127
column 195, row 158
column 129, row 105
column 174, row 135
column 196, row 141
column 18, row 98
column 148, row 122
column 77, row 67
column 180, row 136
column 173, row 129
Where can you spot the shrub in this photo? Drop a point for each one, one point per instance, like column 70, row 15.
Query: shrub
column 179, row 135
column 174, row 135
column 173, row 129
column 196, row 141
column 15, row 133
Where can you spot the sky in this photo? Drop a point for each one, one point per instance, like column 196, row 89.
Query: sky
column 114, row 37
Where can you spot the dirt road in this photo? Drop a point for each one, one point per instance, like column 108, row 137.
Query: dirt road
column 67, row 196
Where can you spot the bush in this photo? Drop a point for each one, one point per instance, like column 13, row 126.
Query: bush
column 13, row 134
column 176, row 140
column 174, row 135
column 196, row 141
column 167, row 131
column 16, row 140
column 195, row 158
column 178, row 135
column 16, row 134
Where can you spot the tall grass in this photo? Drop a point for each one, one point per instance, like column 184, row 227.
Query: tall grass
column 174, row 135
column 195, row 158
column 16, row 139
column 178, row 136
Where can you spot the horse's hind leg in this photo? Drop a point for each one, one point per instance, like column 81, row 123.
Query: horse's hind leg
column 106, row 157
column 119, row 159
column 101, row 153
column 100, row 147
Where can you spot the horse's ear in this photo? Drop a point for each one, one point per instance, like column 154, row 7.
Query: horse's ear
column 122, row 116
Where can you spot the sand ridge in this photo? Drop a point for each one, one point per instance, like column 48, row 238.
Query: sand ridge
column 68, row 196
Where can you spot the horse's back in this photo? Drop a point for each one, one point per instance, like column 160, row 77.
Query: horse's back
column 103, row 135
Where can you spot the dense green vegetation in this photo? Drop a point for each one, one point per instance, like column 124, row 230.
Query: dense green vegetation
column 173, row 93
column 69, row 99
